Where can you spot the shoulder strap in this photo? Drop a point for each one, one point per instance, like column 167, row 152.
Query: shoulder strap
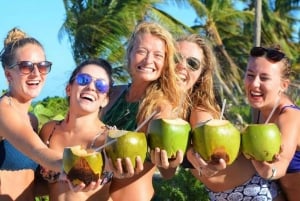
column 114, row 95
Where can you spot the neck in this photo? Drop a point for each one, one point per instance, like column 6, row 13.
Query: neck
column 76, row 122
column 136, row 92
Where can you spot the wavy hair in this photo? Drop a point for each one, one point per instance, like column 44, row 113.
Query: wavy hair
column 165, row 87
column 202, row 95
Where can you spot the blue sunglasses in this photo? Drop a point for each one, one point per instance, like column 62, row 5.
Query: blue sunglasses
column 84, row 79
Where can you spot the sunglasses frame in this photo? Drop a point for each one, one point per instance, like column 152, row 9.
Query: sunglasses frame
column 270, row 53
column 84, row 79
column 30, row 66
column 179, row 58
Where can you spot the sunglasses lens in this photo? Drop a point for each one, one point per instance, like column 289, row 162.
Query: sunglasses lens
column 102, row 86
column 193, row 63
column 272, row 54
column 83, row 79
column 44, row 67
column 275, row 55
column 257, row 51
column 26, row 67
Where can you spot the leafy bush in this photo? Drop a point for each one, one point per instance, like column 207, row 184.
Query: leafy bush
column 182, row 187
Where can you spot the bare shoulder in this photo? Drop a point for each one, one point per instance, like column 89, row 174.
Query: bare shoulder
column 198, row 115
column 47, row 129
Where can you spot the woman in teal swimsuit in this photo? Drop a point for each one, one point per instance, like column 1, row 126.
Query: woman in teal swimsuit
column 151, row 65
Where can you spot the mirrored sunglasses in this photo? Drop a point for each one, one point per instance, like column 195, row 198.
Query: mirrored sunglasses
column 271, row 54
column 191, row 62
column 84, row 79
column 26, row 67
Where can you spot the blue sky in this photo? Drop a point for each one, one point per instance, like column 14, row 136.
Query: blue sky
column 42, row 20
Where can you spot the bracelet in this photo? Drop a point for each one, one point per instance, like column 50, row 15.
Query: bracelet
column 274, row 171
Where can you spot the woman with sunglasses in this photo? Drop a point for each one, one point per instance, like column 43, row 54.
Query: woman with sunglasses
column 196, row 65
column 153, row 87
column 87, row 91
column 266, row 82
column 25, row 67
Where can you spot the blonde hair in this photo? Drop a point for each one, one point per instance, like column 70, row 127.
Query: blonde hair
column 165, row 87
column 14, row 40
column 202, row 95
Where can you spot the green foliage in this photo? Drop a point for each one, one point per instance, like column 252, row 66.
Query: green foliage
column 54, row 108
column 182, row 187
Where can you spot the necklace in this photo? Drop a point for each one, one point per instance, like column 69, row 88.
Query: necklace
column 122, row 114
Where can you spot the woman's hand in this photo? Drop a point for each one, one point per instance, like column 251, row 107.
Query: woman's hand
column 160, row 158
column 80, row 187
column 123, row 168
column 207, row 169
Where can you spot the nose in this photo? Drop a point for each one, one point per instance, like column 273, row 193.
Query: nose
column 149, row 57
column 35, row 70
column 92, row 85
column 256, row 81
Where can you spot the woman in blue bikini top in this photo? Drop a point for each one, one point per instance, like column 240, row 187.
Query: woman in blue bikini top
column 266, row 82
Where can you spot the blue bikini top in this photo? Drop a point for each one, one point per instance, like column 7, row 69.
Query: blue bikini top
column 13, row 159
column 294, row 165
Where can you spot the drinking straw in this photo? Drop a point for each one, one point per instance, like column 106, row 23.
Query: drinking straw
column 223, row 108
column 273, row 110
column 137, row 129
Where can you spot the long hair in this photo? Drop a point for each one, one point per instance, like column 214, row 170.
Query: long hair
column 202, row 95
column 165, row 87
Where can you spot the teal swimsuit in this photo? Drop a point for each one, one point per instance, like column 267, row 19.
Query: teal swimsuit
column 122, row 114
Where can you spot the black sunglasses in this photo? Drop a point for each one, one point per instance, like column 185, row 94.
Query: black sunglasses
column 84, row 79
column 26, row 67
column 192, row 62
column 272, row 54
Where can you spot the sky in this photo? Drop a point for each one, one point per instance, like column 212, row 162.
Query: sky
column 42, row 20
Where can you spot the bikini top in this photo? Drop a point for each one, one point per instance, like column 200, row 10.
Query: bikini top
column 12, row 159
column 122, row 114
column 53, row 176
column 294, row 165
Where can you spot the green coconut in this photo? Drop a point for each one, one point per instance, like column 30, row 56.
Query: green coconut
column 171, row 135
column 261, row 141
column 128, row 144
column 82, row 165
column 217, row 139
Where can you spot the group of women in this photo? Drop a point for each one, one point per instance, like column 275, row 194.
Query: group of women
column 168, row 80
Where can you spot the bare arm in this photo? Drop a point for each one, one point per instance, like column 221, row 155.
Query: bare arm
column 289, row 127
column 19, row 132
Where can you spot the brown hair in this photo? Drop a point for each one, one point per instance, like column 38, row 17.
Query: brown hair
column 14, row 40
column 202, row 94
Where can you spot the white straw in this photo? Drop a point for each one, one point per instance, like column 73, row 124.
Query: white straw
column 146, row 120
column 137, row 129
column 223, row 109
column 273, row 110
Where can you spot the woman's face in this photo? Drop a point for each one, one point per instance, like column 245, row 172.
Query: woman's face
column 263, row 82
column 147, row 58
column 85, row 95
column 191, row 55
column 27, row 86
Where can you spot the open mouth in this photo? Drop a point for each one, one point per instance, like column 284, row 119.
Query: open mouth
column 87, row 97
column 145, row 69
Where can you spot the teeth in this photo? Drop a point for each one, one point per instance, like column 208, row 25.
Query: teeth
column 148, row 69
column 88, row 97
column 33, row 82
column 255, row 93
